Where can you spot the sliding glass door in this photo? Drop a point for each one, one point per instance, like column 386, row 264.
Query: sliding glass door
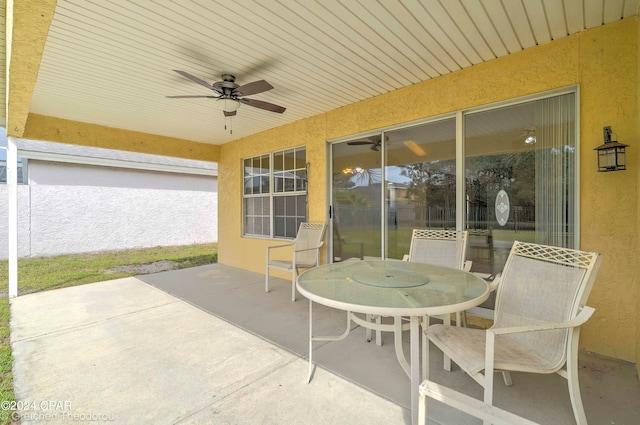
column 520, row 168
column 503, row 173
column 356, row 198
column 420, row 182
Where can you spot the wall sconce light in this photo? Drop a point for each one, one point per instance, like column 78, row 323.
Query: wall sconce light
column 611, row 155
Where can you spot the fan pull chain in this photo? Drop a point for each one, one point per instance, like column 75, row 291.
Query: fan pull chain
column 230, row 124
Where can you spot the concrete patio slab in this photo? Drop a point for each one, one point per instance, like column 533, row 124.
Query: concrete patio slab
column 283, row 398
column 53, row 311
column 610, row 389
column 221, row 351
column 162, row 363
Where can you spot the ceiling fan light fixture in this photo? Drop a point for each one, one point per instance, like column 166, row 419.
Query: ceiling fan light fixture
column 227, row 105
column 531, row 137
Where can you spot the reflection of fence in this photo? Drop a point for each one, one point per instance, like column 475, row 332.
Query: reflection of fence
column 435, row 217
column 520, row 218
column 354, row 217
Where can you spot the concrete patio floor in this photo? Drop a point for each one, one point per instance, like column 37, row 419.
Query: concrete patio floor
column 207, row 345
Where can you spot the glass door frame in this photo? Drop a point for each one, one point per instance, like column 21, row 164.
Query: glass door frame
column 460, row 161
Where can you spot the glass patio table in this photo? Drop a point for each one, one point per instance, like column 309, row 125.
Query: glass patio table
column 390, row 288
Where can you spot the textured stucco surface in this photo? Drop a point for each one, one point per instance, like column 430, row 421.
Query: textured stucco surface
column 40, row 127
column 602, row 61
column 637, row 154
column 70, row 208
column 23, row 221
column 26, row 33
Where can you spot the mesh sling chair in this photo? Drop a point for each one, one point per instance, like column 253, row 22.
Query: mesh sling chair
column 446, row 248
column 305, row 255
column 540, row 306
column 441, row 248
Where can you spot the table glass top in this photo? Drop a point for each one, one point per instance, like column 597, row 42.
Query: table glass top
column 391, row 284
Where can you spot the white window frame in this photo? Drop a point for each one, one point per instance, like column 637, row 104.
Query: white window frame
column 23, row 177
column 271, row 194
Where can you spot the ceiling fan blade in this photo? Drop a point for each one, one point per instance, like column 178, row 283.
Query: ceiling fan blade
column 229, row 114
column 253, row 88
column 197, row 80
column 360, row 142
column 263, row 105
column 185, row 97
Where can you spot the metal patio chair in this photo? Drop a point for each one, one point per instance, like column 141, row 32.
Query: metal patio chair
column 540, row 306
column 437, row 247
column 305, row 253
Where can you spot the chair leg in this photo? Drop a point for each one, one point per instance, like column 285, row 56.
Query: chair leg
column 425, row 349
column 446, row 319
column 506, row 377
column 422, row 409
column 574, row 386
column 266, row 280
column 379, row 332
column 294, row 275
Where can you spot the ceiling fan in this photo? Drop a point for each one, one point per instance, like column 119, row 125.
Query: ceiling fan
column 375, row 142
column 232, row 95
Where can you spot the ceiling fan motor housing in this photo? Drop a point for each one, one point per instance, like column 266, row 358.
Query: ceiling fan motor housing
column 227, row 85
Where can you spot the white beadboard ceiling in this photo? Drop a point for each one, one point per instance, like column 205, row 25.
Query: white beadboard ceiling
column 111, row 62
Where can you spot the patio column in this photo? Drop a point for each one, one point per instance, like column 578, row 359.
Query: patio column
column 12, row 186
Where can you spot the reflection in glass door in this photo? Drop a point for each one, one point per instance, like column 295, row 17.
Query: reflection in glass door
column 420, row 180
column 519, row 182
column 356, row 198
column 520, row 171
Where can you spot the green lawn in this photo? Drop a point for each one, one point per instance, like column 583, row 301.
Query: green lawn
column 42, row 274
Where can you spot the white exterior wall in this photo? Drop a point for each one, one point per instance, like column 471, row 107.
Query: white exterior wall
column 23, row 221
column 76, row 208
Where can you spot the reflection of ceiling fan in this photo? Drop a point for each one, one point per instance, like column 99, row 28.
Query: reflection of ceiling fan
column 374, row 141
column 528, row 135
column 231, row 95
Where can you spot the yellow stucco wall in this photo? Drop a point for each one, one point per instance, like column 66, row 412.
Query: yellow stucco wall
column 27, row 26
column 638, row 213
column 50, row 129
column 603, row 61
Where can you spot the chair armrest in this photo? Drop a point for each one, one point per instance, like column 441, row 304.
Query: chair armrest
column 580, row 319
column 495, row 282
column 280, row 246
column 583, row 316
column 269, row 248
column 467, row 266
column 310, row 249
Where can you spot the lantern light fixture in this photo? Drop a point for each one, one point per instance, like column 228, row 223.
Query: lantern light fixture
column 611, row 154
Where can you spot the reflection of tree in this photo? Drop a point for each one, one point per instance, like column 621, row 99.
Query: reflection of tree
column 430, row 184
column 350, row 197
column 347, row 182
column 512, row 172
column 366, row 177
column 342, row 180
column 351, row 177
